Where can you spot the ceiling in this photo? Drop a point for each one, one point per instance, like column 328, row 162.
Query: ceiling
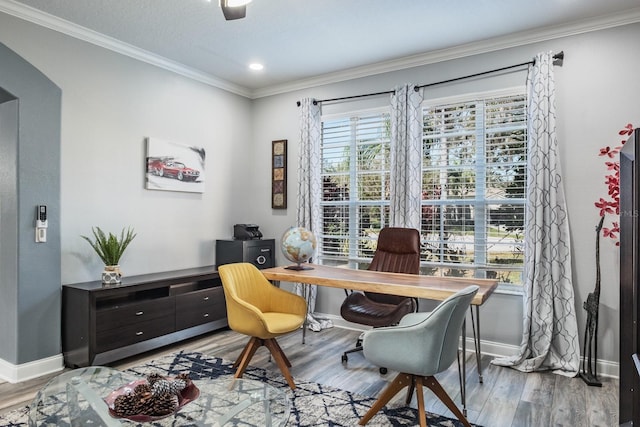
column 306, row 42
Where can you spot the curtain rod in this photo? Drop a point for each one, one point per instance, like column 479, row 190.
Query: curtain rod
column 557, row 60
column 316, row 101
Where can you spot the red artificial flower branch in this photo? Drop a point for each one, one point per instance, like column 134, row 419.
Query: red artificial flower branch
column 611, row 204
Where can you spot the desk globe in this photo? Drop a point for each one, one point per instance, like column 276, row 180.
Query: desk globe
column 298, row 245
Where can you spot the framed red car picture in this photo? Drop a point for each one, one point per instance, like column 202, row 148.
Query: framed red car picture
column 174, row 167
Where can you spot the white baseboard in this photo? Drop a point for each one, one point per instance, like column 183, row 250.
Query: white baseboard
column 26, row 371
column 605, row 368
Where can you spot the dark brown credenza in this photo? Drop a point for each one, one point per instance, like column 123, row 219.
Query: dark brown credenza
column 104, row 323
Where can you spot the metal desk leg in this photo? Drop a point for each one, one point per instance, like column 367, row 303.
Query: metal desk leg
column 306, row 292
column 475, row 323
column 305, row 295
column 463, row 382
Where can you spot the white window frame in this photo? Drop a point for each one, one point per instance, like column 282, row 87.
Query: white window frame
column 353, row 260
column 480, row 214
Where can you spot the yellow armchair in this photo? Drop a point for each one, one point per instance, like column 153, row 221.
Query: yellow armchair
column 262, row 311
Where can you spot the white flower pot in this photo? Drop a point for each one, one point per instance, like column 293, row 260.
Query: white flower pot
column 111, row 275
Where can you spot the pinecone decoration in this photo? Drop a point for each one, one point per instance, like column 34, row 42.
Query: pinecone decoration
column 143, row 403
column 153, row 377
column 158, row 396
column 183, row 376
column 161, row 387
column 125, row 405
column 177, row 385
column 142, row 388
column 164, row 404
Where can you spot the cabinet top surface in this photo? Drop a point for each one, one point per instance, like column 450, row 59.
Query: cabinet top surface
column 248, row 241
column 160, row 279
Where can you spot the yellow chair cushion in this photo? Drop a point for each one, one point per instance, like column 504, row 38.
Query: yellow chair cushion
column 282, row 323
column 257, row 308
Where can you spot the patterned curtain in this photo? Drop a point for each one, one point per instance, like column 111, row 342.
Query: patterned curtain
column 406, row 157
column 550, row 337
column 309, row 191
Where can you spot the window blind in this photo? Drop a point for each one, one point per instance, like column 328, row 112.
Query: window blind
column 355, row 185
column 473, row 187
column 473, row 193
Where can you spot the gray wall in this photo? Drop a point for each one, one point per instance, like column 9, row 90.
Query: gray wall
column 30, row 161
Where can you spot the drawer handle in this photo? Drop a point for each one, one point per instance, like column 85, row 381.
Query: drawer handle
column 206, row 298
column 140, row 313
column 206, row 315
column 139, row 333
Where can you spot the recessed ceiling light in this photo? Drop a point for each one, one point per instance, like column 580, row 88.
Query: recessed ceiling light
column 256, row 67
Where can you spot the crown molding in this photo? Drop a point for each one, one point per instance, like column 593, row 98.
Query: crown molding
column 63, row 26
column 470, row 49
column 46, row 20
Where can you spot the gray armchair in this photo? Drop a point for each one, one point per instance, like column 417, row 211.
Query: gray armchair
column 420, row 346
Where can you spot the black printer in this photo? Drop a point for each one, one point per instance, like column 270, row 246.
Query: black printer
column 246, row 232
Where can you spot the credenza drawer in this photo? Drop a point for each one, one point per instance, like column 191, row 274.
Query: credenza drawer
column 130, row 314
column 196, row 308
column 131, row 334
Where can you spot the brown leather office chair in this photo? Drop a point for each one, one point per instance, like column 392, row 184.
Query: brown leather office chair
column 398, row 251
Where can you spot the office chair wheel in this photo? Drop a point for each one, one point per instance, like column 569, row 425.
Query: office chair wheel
column 345, row 358
column 383, row 371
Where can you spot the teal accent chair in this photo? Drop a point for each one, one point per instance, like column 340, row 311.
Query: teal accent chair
column 419, row 347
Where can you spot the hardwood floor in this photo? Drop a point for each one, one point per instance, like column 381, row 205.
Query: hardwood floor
column 507, row 397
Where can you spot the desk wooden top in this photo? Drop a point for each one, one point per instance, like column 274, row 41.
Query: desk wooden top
column 410, row 285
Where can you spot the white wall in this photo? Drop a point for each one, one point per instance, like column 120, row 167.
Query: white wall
column 110, row 103
column 597, row 94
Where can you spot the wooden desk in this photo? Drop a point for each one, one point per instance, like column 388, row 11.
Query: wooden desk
column 409, row 285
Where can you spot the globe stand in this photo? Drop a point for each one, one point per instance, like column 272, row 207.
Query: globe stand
column 299, row 267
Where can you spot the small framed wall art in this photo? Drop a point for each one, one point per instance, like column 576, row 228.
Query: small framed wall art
column 279, row 174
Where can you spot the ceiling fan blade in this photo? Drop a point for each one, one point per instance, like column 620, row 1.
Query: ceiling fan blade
column 231, row 13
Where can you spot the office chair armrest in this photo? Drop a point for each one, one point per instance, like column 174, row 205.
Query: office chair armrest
column 287, row 302
column 245, row 318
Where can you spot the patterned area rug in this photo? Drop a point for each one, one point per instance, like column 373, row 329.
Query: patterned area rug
column 312, row 404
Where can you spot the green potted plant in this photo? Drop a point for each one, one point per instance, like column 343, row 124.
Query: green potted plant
column 110, row 249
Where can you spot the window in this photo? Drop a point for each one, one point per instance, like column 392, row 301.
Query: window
column 473, row 187
column 355, row 185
